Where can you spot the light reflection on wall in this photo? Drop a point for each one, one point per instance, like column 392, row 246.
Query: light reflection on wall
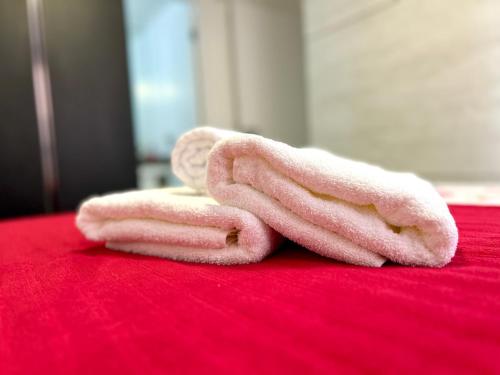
column 161, row 73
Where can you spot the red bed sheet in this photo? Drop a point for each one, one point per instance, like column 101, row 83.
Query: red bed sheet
column 68, row 305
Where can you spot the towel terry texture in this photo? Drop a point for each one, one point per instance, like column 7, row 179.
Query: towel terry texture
column 339, row 208
column 176, row 223
column 189, row 156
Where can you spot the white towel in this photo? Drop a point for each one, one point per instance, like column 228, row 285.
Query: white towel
column 344, row 209
column 189, row 156
column 176, row 223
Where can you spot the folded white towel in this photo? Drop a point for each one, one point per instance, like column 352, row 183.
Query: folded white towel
column 347, row 210
column 189, row 156
column 176, row 223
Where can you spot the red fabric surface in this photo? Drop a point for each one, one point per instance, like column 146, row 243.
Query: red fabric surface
column 70, row 306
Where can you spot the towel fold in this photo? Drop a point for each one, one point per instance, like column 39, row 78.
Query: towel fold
column 176, row 223
column 339, row 208
column 189, row 156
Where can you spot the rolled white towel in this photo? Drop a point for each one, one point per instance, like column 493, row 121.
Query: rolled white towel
column 176, row 223
column 189, row 156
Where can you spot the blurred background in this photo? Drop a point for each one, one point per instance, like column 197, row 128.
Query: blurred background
column 94, row 93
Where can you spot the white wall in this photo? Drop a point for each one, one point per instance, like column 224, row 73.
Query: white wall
column 270, row 68
column 412, row 85
column 251, row 66
column 215, row 96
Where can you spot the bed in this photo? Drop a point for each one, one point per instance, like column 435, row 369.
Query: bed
column 68, row 305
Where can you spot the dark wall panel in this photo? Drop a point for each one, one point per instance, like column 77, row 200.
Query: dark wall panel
column 87, row 58
column 20, row 169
